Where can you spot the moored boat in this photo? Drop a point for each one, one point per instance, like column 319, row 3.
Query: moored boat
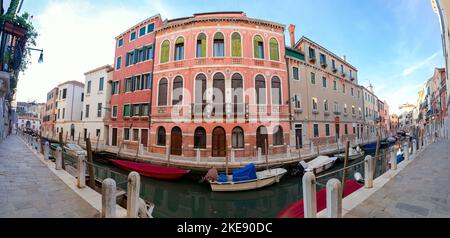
column 352, row 155
column 319, row 164
column 153, row 171
column 370, row 147
column 296, row 209
column 247, row 179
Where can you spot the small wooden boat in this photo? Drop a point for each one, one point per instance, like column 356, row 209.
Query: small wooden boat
column 296, row 209
column 263, row 179
column 352, row 155
column 74, row 150
column 149, row 170
column 319, row 164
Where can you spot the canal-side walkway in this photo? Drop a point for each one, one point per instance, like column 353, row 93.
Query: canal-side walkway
column 28, row 189
column 420, row 190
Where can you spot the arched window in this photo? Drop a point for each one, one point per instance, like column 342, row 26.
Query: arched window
column 200, row 138
column 219, row 94
column 162, row 92
column 177, row 93
column 161, row 136
column 236, row 45
column 276, row 91
column 238, row 94
column 274, row 51
column 200, row 97
column 201, row 46
column 258, row 49
column 237, row 137
column 278, row 136
column 260, row 87
column 219, row 45
column 165, row 50
column 179, row 49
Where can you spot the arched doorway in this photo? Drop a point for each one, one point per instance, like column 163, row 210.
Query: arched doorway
column 219, row 142
column 261, row 138
column 176, row 141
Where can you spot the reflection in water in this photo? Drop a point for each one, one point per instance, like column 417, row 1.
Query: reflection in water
column 185, row 198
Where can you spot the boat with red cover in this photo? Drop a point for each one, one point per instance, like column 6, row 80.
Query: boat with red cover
column 149, row 170
column 296, row 210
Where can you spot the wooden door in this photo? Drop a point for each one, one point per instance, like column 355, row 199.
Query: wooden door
column 144, row 137
column 176, row 141
column 219, row 143
column 261, row 139
column 114, row 137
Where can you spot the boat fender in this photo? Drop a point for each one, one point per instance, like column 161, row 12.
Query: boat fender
column 358, row 177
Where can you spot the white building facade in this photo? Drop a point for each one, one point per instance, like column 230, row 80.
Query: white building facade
column 69, row 108
column 96, row 105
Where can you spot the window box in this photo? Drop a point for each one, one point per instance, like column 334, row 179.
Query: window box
column 324, row 65
column 343, row 74
column 312, row 59
column 298, row 110
column 337, row 113
column 335, row 70
column 315, row 112
column 326, row 113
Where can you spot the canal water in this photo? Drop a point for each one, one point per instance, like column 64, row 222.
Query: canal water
column 188, row 199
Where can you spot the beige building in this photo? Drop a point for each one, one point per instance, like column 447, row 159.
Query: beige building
column 96, row 105
column 325, row 96
column 370, row 105
column 442, row 9
column 69, row 108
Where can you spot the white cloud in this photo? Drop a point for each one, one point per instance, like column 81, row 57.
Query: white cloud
column 408, row 71
column 76, row 37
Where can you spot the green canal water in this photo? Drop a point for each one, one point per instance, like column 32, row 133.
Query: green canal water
column 187, row 198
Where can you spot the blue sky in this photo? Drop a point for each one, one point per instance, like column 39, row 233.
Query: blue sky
column 395, row 44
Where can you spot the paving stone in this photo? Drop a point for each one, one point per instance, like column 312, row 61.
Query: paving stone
column 29, row 189
column 419, row 190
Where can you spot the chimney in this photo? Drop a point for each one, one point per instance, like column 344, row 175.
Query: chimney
column 345, row 58
column 292, row 34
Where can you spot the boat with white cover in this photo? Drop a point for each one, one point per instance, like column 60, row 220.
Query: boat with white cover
column 319, row 164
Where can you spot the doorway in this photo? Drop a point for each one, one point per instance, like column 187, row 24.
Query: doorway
column 114, row 137
column 219, row 145
column 176, row 141
column 144, row 137
column 299, row 136
column 261, row 138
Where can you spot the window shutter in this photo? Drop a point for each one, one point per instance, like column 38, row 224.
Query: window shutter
column 136, row 56
column 203, row 48
column 274, row 52
column 236, row 46
column 255, row 48
column 127, row 62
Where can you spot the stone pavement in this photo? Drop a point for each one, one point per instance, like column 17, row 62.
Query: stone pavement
column 420, row 190
column 28, row 189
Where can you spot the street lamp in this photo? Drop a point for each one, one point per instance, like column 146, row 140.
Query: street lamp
column 41, row 56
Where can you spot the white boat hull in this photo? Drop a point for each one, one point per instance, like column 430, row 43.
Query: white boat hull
column 264, row 179
column 321, row 166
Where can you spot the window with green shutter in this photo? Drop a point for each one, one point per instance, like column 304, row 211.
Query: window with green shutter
column 142, row 31
column 274, row 51
column 316, row 130
column 126, row 110
column 165, row 49
column 151, row 28
column 295, row 73
column 201, row 45
column 236, row 49
column 133, row 36
column 327, row 129
column 258, row 47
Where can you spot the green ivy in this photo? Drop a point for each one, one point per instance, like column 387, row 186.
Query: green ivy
column 23, row 21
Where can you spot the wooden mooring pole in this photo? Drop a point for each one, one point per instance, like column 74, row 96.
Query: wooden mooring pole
column 90, row 166
column 61, row 144
column 347, row 149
